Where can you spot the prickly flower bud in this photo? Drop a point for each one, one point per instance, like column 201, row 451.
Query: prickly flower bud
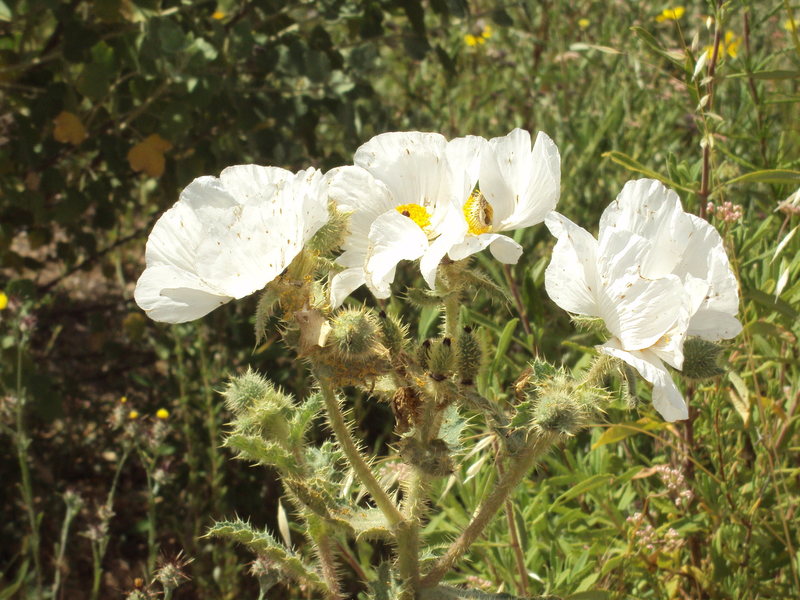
column 562, row 406
column 441, row 359
column 395, row 333
column 469, row 356
column 354, row 333
column 700, row 359
column 243, row 391
column 423, row 354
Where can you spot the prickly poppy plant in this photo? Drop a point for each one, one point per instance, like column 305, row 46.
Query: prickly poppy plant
column 656, row 280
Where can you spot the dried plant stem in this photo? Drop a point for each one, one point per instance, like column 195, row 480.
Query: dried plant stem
column 519, row 466
column 360, row 466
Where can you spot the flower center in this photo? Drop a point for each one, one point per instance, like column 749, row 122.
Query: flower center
column 478, row 213
column 418, row 214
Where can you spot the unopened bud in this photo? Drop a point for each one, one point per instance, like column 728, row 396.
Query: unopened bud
column 700, row 359
column 243, row 391
column 354, row 333
column 469, row 357
column 395, row 333
column 441, row 359
column 423, row 354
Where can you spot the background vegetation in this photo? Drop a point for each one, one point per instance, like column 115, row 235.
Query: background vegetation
column 109, row 108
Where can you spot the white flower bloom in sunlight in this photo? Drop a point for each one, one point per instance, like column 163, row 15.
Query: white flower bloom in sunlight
column 654, row 275
column 519, row 186
column 401, row 193
column 228, row 237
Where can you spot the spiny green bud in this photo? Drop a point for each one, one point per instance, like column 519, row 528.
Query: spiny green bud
column 591, row 325
column 423, row 354
column 331, row 235
column 243, row 391
column 395, row 333
column 354, row 333
column 441, row 359
column 700, row 359
column 557, row 412
column 469, row 356
column 267, row 303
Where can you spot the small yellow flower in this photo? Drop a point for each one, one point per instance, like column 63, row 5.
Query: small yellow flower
column 218, row 15
column 123, row 400
column 487, row 32
column 472, row 40
column 732, row 44
column 583, row 23
column 3, row 300
column 671, row 14
column 790, row 25
column 134, row 414
column 162, row 413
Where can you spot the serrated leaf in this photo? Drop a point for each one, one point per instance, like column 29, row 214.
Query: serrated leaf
column 369, row 524
column 256, row 449
column 262, row 543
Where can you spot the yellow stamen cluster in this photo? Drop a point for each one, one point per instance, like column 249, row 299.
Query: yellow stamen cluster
column 417, row 213
column 478, row 213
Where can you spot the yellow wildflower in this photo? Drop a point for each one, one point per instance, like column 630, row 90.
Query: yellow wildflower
column 218, row 15
column 162, row 413
column 790, row 25
column 583, row 23
column 487, row 32
column 3, row 300
column 123, row 400
column 134, row 414
column 671, row 14
column 732, row 44
column 471, row 40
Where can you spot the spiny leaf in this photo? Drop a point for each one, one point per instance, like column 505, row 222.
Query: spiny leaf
column 256, row 449
column 261, row 542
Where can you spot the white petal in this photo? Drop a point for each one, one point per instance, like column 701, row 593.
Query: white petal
column 412, row 165
column 648, row 208
column 636, row 310
column 571, row 278
column 171, row 295
column 464, row 157
column 667, row 398
column 502, row 247
column 536, row 180
column 393, row 237
column 343, row 284
column 452, row 235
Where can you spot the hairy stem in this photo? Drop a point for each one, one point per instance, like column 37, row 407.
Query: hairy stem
column 518, row 468
column 327, row 562
column 360, row 466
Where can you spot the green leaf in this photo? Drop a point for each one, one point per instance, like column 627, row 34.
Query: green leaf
column 771, row 74
column 785, row 176
column 502, row 346
column 587, row 485
column 634, row 165
column 262, row 543
column 654, row 46
column 771, row 303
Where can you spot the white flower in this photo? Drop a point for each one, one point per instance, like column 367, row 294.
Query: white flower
column 654, row 275
column 415, row 196
column 228, row 237
column 401, row 193
column 519, row 186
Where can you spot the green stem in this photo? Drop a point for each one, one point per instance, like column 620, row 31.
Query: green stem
column 360, row 466
column 452, row 306
column 600, row 367
column 518, row 468
column 327, row 562
column 408, row 533
column 62, row 546
column 22, row 442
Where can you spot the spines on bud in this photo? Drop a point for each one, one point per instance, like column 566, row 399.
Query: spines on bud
column 423, row 354
column 395, row 333
column 700, row 359
column 441, row 359
column 245, row 390
column 331, row 235
column 354, row 333
column 469, row 356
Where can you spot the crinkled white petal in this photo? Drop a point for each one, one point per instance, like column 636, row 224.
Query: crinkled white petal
column 464, row 158
column 229, row 237
column 413, row 166
column 502, row 247
column 345, row 283
column 648, row 208
column 171, row 295
column 571, row 279
column 393, row 237
column 667, row 398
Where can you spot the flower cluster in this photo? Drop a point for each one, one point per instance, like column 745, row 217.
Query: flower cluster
column 655, row 275
column 727, row 211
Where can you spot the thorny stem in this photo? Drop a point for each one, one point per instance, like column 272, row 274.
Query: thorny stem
column 360, row 466
column 519, row 557
column 327, row 562
column 518, row 468
column 705, row 179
